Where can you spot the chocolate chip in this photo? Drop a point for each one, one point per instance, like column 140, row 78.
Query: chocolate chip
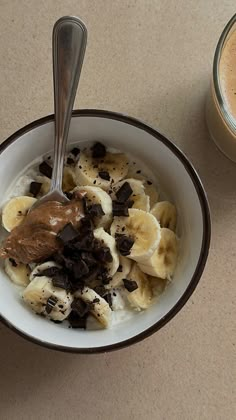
column 104, row 255
column 149, row 182
column 95, row 210
column 75, row 151
column 108, row 298
column 104, row 175
column 80, row 269
column 130, row 285
column 98, row 150
column 51, row 302
column 121, row 209
column 45, row 169
column 124, row 192
column 100, row 290
column 138, row 172
column 35, row 188
column 70, row 161
column 80, row 307
column 120, row 269
column 76, row 321
column 13, row 263
column 68, row 233
column 124, row 244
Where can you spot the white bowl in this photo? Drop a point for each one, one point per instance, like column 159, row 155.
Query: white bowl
column 177, row 178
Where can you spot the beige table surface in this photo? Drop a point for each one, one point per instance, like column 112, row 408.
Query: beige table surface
column 150, row 59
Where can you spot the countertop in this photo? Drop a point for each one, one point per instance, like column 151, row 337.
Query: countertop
column 151, row 59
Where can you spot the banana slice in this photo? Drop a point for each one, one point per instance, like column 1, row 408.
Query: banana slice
column 47, row 300
column 41, row 267
column 18, row 273
column 87, row 169
column 151, row 190
column 95, row 195
column 143, row 228
column 149, row 187
column 68, row 182
column 15, row 210
column 124, row 269
column 141, row 200
column 141, row 298
column 158, row 285
column 163, row 261
column 108, row 241
column 165, row 213
column 45, row 187
column 101, row 309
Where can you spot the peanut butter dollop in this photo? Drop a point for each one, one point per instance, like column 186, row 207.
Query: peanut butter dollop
column 35, row 239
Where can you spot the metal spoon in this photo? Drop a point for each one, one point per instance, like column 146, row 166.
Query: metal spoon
column 69, row 40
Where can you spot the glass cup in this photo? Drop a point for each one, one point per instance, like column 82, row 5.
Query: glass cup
column 220, row 121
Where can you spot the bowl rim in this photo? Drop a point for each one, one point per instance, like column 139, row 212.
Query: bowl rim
column 205, row 239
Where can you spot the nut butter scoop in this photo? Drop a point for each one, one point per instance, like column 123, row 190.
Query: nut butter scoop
column 35, row 239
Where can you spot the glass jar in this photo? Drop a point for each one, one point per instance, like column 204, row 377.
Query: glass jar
column 220, row 121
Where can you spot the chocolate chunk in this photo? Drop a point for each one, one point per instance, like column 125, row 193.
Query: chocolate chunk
column 80, row 269
column 12, row 261
column 104, row 255
column 76, row 321
column 45, row 169
column 124, row 244
column 104, row 175
column 96, row 300
column 120, row 268
column 138, row 172
column 91, row 279
column 70, row 161
column 103, row 275
column 98, row 150
column 88, row 258
column 149, row 182
column 35, row 188
column 95, row 210
column 75, row 151
column 121, row 209
column 108, row 298
column 86, row 225
column 51, row 302
column 80, row 307
column 68, row 233
column 85, row 243
column 124, row 192
column 69, row 195
column 61, row 280
column 100, row 290
column 130, row 285
column 48, row 272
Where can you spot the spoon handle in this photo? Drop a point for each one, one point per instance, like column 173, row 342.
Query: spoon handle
column 69, row 40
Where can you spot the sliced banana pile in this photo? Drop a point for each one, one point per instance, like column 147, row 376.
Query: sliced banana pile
column 135, row 230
